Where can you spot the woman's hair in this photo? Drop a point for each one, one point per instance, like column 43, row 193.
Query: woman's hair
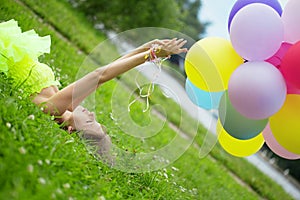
column 101, row 142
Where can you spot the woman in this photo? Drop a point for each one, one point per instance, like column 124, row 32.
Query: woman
column 63, row 102
column 38, row 79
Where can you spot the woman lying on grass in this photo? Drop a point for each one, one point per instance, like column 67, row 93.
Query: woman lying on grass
column 19, row 61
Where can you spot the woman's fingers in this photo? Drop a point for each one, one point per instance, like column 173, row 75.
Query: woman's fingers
column 181, row 43
column 175, row 46
column 171, row 46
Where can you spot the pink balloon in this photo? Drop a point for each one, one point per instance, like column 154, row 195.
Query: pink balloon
column 276, row 147
column 291, row 18
column 277, row 58
column 257, row 90
column 256, row 32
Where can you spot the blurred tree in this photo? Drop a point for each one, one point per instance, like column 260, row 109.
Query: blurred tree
column 191, row 24
column 120, row 15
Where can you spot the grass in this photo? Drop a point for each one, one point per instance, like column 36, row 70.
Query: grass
column 39, row 160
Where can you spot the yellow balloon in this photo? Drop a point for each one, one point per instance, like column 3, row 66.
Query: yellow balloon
column 210, row 62
column 236, row 147
column 285, row 124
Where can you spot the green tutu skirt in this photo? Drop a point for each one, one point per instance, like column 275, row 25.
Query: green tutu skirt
column 19, row 53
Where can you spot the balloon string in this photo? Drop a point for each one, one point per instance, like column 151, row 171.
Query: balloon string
column 158, row 63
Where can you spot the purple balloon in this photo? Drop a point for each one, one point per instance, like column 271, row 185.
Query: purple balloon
column 257, row 90
column 242, row 3
column 276, row 147
column 256, row 32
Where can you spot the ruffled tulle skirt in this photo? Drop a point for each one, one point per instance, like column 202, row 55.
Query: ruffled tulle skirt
column 19, row 53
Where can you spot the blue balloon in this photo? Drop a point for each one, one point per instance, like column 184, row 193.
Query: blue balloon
column 201, row 98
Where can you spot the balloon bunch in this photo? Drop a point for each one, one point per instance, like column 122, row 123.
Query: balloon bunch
column 253, row 80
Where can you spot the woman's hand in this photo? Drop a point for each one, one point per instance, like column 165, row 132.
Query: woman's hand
column 165, row 47
column 150, row 44
column 169, row 47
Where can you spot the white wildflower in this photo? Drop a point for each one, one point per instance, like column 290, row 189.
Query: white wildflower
column 8, row 125
column 69, row 141
column 67, row 186
column 59, row 191
column 40, row 162
column 174, row 168
column 182, row 189
column 30, row 168
column 112, row 117
column 13, row 130
column 101, row 198
column 47, row 161
column 31, row 117
column 194, row 191
column 53, row 196
column 166, row 175
column 42, row 181
column 22, row 150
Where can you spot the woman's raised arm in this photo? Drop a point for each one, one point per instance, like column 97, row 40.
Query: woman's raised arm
column 71, row 96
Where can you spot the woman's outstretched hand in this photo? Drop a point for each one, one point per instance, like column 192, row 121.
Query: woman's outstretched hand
column 169, row 47
column 166, row 47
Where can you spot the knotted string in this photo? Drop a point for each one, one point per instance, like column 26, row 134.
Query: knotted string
column 157, row 61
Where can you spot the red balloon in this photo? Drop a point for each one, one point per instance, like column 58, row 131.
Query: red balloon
column 290, row 65
column 291, row 89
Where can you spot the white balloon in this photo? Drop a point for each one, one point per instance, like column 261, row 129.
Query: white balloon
column 291, row 18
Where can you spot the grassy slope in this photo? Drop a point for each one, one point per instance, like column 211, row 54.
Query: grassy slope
column 60, row 160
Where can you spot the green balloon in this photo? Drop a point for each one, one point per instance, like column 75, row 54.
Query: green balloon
column 236, row 124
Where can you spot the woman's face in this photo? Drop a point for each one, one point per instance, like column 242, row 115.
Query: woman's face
column 85, row 120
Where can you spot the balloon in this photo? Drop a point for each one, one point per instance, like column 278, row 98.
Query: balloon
column 256, row 32
column 277, row 58
column 206, row 100
column 236, row 124
column 285, row 124
column 257, row 90
column 291, row 19
column 210, row 62
column 276, row 147
column 239, row 148
column 290, row 65
column 242, row 3
column 291, row 89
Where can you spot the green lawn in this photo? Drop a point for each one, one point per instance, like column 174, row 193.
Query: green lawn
column 39, row 160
